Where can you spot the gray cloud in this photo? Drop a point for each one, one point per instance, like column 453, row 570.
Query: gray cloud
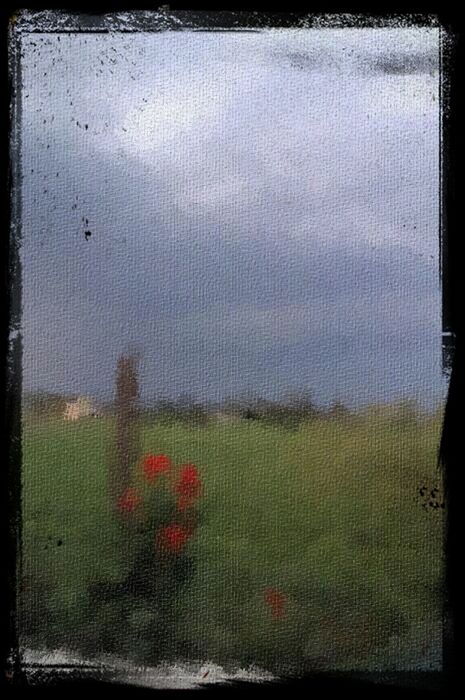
column 251, row 227
column 406, row 64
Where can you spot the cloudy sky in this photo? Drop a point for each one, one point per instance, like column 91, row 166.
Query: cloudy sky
column 263, row 210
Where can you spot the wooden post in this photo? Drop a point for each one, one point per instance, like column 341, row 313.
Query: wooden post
column 126, row 445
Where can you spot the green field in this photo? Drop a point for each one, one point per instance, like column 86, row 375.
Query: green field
column 329, row 514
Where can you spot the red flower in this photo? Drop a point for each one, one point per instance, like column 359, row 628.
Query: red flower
column 275, row 601
column 188, row 486
column 172, row 537
column 154, row 465
column 128, row 501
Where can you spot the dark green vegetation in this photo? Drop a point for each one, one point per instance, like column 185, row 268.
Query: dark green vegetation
column 334, row 518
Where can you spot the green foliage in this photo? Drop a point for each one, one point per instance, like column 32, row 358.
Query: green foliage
column 289, row 413
column 42, row 404
column 184, row 410
column 328, row 514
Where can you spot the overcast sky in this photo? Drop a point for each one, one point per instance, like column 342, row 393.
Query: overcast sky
column 263, row 208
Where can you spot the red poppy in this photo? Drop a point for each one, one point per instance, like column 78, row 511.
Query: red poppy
column 128, row 501
column 275, row 601
column 154, row 465
column 188, row 486
column 172, row 537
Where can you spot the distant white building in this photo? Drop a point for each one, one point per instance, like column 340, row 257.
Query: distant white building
column 82, row 407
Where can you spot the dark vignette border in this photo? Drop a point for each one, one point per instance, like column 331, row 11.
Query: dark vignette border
column 452, row 115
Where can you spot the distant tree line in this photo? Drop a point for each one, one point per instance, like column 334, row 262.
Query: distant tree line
column 289, row 411
column 44, row 404
column 183, row 409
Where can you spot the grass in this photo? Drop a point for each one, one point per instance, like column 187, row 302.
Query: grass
column 329, row 515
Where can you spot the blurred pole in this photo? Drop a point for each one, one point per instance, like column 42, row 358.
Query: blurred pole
column 127, row 427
